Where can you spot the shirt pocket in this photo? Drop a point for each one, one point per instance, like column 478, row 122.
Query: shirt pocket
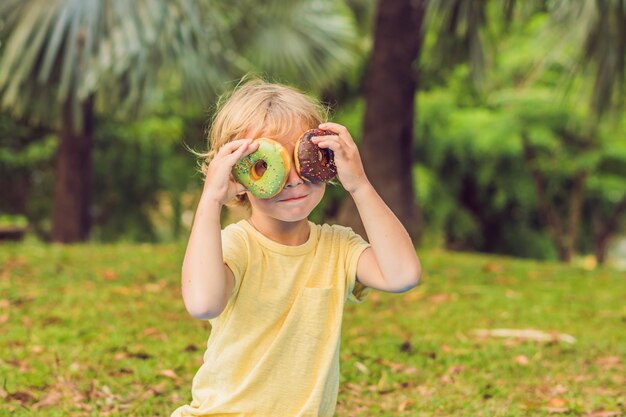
column 317, row 307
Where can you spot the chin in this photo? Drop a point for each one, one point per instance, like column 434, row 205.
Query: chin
column 293, row 214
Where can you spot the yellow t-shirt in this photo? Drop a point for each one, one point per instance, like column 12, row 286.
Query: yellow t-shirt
column 274, row 350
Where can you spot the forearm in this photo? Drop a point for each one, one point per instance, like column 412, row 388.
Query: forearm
column 204, row 283
column 391, row 243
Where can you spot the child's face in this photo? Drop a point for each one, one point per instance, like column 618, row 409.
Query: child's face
column 297, row 199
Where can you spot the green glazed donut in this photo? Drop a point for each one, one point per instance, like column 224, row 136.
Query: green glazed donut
column 265, row 171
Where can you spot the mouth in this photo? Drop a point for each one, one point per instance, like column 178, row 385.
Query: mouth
column 293, row 199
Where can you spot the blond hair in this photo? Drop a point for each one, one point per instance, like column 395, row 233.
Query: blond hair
column 256, row 107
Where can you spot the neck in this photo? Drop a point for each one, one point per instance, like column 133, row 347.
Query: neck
column 286, row 233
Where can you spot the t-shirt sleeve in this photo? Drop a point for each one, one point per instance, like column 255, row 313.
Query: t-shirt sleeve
column 235, row 253
column 356, row 292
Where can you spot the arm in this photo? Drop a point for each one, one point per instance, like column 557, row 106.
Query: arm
column 391, row 264
column 206, row 281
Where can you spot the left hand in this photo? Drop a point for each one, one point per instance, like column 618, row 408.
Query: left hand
column 347, row 158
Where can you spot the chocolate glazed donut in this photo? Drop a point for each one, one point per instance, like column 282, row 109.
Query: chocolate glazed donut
column 313, row 163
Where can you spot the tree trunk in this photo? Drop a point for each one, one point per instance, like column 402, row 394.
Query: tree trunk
column 575, row 207
column 390, row 87
column 73, row 178
column 562, row 225
column 604, row 229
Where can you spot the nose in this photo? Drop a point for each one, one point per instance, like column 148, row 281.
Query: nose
column 293, row 179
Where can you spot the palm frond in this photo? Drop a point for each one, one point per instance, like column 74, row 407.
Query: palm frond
column 70, row 49
column 600, row 27
column 308, row 42
column 459, row 26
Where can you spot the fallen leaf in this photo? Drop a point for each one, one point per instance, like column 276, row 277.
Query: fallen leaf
column 424, row 391
column 609, row 362
column 168, row 373
column 140, row 355
column 150, row 331
column 110, row 275
column 156, row 286
column 511, row 294
column 403, row 405
column 557, row 410
column 413, row 295
column 521, row 360
column 122, row 290
column 557, row 402
column 603, row 413
column 439, row 298
column 456, row 369
column 492, row 267
column 362, row 368
column 446, row 379
column 395, row 366
column 382, row 382
column 22, row 397
column 526, row 334
column 51, row 399
column 36, row 349
column 354, row 388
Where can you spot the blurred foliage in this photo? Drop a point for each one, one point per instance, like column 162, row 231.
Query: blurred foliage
column 476, row 110
column 472, row 178
column 26, row 162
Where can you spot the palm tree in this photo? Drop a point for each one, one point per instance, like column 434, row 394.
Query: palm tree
column 64, row 61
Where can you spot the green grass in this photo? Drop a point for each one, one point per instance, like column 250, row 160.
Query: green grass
column 96, row 330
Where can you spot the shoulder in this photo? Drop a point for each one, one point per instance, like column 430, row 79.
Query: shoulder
column 235, row 228
column 332, row 229
column 337, row 232
column 234, row 233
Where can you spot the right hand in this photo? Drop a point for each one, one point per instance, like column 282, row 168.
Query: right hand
column 219, row 184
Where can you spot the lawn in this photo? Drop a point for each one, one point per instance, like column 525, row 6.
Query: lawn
column 97, row 330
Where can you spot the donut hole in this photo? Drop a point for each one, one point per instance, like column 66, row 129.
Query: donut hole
column 323, row 157
column 258, row 169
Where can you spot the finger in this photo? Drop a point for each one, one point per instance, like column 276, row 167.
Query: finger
column 317, row 140
column 232, row 146
column 324, row 137
column 238, row 153
column 333, row 145
column 340, row 130
column 252, row 147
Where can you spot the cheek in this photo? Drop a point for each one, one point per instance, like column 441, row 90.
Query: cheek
column 318, row 192
column 257, row 203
